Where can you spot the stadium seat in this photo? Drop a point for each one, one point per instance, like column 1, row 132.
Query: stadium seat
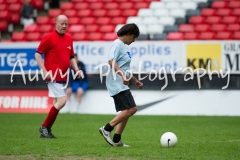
column 157, row 5
column 15, row 7
column 5, row 16
column 190, row 36
column 223, row 12
column 79, row 36
column 109, row 36
column 46, row 28
column 236, row 35
column 219, row 4
column 38, row 4
column 92, row 1
column 91, row 28
column 84, row 13
column 143, row 29
column 188, row 5
column 196, row 20
column 218, row 27
column 140, row 5
column 161, row 12
column 108, row 1
column 12, row 1
column 96, row 5
column 172, row 4
column 3, row 26
column 233, row 27
column 88, row 20
column 149, row 20
column 53, row 13
column 142, row 37
column 201, row 28
column 18, row 36
column 236, row 12
column 34, row 36
column 129, row 12
column 206, row 36
column 212, row 19
column 126, row 5
column 114, row 13
column 229, row 19
column 103, row 21
column 223, row 35
column 168, row 29
column 186, row 28
column 106, row 28
column 3, row 7
column 180, row 20
column 43, row 20
column 161, row 36
column 154, row 29
column 70, row 13
column 95, row 36
column 76, row 28
column 192, row 12
column 73, row 21
column 208, row 12
column 121, row 1
column 136, row 20
column 234, row 4
column 145, row 12
column 77, row 1
column 174, row 36
column 177, row 13
column 111, row 5
column 118, row 20
column 80, row 6
column 15, row 18
column 99, row 13
column 31, row 28
column 166, row 21
column 67, row 5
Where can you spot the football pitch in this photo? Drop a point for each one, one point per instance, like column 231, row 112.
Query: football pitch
column 199, row 138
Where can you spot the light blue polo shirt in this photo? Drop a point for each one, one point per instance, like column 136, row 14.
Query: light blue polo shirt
column 121, row 54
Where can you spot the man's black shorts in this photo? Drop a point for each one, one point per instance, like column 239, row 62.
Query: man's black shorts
column 124, row 100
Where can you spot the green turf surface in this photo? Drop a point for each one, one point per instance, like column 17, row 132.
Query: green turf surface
column 199, row 137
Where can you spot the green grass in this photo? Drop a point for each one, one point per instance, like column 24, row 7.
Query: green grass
column 199, row 137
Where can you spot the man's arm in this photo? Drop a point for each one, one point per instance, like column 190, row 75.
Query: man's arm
column 75, row 68
column 40, row 62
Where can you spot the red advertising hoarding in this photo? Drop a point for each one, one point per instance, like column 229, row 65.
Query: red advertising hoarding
column 25, row 101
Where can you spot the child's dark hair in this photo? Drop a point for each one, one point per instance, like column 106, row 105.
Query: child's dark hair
column 129, row 29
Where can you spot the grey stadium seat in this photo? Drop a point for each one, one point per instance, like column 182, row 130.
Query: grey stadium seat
column 170, row 29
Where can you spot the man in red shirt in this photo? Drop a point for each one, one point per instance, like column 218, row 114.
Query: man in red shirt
column 57, row 48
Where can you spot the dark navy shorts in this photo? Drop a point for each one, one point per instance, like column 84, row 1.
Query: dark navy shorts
column 124, row 100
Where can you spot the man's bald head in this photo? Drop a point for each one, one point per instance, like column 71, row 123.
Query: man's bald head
column 61, row 24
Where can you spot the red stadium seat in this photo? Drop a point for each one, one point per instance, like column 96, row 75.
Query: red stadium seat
column 99, row 13
column 126, row 5
column 110, row 36
column 206, row 36
column 186, row 28
column 79, row 36
column 18, row 36
column 201, row 28
column 76, row 29
column 118, row 20
column 190, row 36
column 12, row 1
column 84, row 13
column 97, row 5
column 3, row 26
column 223, row 35
column 38, row 4
column 137, row 1
column 5, row 16
column 67, row 5
column 31, row 28
column 77, row 1
column 3, row 7
column 15, row 18
column 218, row 27
column 95, row 36
column 2, row 1
column 129, row 12
column 73, row 21
column 15, row 7
column 111, row 5
column 196, row 20
column 223, row 12
column 33, row 36
column 107, row 1
column 174, row 36
column 70, row 13
column 236, row 35
column 46, row 28
column 43, row 20
column 53, row 13
column 233, row 27
column 91, row 28
column 234, row 4
column 106, row 28
column 236, row 12
column 212, row 19
column 92, row 1
column 121, row 1
column 83, row 5
column 88, row 20
column 208, row 12
column 141, row 5
column 229, row 19
column 219, row 4
column 103, row 20
column 114, row 13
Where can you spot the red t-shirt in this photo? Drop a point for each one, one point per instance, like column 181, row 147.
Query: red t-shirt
column 58, row 51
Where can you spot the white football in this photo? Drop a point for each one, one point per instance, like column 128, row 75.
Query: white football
column 168, row 140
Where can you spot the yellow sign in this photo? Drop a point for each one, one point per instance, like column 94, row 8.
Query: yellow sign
column 198, row 56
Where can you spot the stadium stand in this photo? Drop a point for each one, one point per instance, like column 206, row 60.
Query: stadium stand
column 157, row 19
